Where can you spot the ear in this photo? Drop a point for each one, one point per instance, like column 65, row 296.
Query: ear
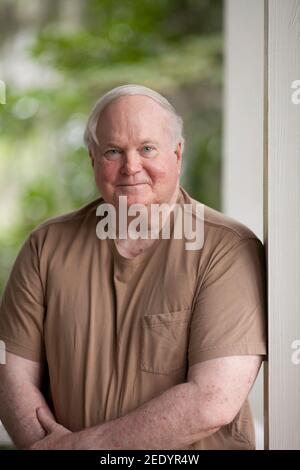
column 178, row 153
column 91, row 156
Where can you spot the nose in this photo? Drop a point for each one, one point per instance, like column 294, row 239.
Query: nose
column 131, row 163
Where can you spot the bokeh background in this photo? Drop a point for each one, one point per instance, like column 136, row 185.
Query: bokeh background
column 57, row 57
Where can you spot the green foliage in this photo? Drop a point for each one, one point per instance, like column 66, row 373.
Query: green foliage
column 173, row 46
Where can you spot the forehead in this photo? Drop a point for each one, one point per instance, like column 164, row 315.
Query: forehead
column 133, row 117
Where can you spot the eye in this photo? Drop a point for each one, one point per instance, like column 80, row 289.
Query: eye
column 112, row 153
column 148, row 149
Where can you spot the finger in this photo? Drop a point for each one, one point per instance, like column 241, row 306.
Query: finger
column 44, row 417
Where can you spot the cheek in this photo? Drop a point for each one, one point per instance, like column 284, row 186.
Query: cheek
column 106, row 173
column 163, row 171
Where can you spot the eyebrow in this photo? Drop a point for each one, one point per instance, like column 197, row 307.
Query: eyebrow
column 147, row 141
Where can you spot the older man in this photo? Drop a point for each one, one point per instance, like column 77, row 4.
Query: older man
column 133, row 343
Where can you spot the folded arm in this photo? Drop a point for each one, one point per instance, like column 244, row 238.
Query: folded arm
column 165, row 422
column 211, row 398
column 20, row 396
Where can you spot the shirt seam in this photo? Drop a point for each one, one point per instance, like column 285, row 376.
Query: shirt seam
column 221, row 226
column 68, row 216
column 20, row 345
column 208, row 267
column 230, row 345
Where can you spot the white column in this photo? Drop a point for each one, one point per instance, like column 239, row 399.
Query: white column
column 282, row 228
column 262, row 137
column 243, row 133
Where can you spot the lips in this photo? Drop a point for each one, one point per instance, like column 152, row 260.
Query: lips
column 134, row 184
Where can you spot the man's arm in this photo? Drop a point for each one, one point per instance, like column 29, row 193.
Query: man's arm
column 213, row 395
column 165, row 422
column 20, row 381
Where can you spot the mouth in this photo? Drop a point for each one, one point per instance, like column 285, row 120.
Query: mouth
column 136, row 184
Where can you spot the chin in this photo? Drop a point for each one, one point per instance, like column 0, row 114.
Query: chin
column 137, row 200
column 135, row 195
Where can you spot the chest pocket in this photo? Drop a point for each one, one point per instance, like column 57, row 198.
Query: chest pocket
column 164, row 341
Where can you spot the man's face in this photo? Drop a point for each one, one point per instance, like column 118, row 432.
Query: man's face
column 137, row 156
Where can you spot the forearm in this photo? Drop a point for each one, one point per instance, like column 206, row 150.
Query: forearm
column 19, row 400
column 172, row 420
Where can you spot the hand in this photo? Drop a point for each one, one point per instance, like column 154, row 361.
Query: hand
column 58, row 437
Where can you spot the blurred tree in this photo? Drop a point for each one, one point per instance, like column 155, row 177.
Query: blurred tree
column 173, row 46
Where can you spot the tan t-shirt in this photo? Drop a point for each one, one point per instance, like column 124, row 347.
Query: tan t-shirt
column 116, row 332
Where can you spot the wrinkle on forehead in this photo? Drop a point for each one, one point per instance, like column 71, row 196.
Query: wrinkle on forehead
column 134, row 118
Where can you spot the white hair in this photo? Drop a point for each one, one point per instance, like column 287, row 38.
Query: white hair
column 90, row 137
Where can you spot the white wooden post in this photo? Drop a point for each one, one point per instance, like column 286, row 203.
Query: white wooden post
column 262, row 140
column 243, row 134
column 282, row 223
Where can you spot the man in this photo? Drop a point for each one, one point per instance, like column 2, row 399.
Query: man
column 133, row 343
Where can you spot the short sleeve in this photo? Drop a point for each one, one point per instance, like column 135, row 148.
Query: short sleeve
column 229, row 316
column 22, row 306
